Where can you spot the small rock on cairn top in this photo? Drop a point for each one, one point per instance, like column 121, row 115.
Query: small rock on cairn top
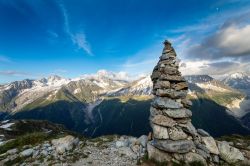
column 175, row 139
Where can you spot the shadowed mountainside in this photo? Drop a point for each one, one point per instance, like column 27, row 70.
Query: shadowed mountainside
column 129, row 117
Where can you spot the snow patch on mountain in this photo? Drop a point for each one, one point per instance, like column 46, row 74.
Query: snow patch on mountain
column 238, row 75
column 108, row 80
column 236, row 108
column 7, row 126
column 142, row 86
column 237, row 80
column 209, row 86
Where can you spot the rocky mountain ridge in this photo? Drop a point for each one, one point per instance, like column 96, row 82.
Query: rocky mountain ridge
column 16, row 95
column 87, row 107
column 237, row 80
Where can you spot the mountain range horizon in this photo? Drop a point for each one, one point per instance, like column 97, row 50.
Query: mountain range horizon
column 126, row 76
column 124, row 83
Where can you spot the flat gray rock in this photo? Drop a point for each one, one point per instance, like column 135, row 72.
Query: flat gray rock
column 229, row 154
column 176, row 134
column 180, row 146
column 163, row 121
column 203, row 132
column 166, row 103
column 160, row 132
column 178, row 113
column 171, row 93
column 156, row 154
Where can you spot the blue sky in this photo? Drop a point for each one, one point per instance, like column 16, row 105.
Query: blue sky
column 72, row 37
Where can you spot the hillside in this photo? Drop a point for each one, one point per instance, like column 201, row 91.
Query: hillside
column 99, row 104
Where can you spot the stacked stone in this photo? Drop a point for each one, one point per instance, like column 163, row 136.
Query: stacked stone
column 170, row 114
column 174, row 136
column 173, row 131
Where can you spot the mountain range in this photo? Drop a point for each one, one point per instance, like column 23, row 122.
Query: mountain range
column 111, row 103
column 238, row 80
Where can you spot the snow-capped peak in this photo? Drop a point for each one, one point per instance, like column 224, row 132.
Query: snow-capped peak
column 145, row 81
column 53, row 80
column 143, row 86
column 238, row 80
column 238, row 75
column 108, row 75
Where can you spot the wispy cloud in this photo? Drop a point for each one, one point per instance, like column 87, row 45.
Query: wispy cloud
column 13, row 73
column 79, row 38
column 4, row 59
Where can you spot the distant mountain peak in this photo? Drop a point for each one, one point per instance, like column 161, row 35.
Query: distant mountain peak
column 238, row 80
column 198, row 78
column 54, row 78
column 142, row 86
column 238, row 75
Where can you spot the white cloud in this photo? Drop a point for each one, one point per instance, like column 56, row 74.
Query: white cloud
column 190, row 68
column 235, row 40
column 13, row 73
column 121, row 75
column 214, row 67
column 78, row 38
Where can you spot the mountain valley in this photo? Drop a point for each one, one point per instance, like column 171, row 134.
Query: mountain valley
column 105, row 103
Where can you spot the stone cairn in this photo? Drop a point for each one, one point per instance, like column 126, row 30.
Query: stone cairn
column 174, row 138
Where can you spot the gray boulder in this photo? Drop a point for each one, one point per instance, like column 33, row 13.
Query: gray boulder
column 122, row 143
column 180, row 146
column 162, row 85
column 162, row 102
column 143, row 140
column 176, row 134
column 229, row 154
column 171, row 93
column 12, row 151
column 194, row 157
column 64, row 144
column 27, row 153
column 160, row 132
column 178, row 113
column 156, row 154
column 163, row 121
column 203, row 133
column 128, row 152
column 210, row 144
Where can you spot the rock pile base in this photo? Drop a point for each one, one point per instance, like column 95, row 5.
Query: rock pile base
column 174, row 136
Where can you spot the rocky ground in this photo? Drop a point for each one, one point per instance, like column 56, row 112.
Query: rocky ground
column 69, row 150
column 50, row 144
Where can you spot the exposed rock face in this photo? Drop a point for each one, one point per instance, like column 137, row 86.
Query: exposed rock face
column 180, row 146
column 174, row 136
column 65, row 143
column 157, row 154
column 210, row 145
column 229, row 153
